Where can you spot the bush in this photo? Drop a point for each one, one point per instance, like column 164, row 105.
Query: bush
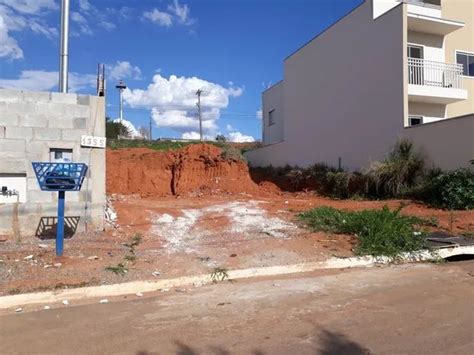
column 397, row 172
column 452, row 190
column 231, row 153
column 114, row 130
column 380, row 232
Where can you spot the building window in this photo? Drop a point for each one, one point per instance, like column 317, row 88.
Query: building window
column 415, row 120
column 59, row 155
column 467, row 61
column 271, row 117
column 414, row 51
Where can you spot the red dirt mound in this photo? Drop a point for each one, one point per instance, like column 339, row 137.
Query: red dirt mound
column 198, row 168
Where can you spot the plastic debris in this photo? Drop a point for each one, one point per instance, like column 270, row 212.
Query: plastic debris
column 139, row 294
column 47, row 307
column 94, row 257
column 66, row 302
column 156, row 273
column 105, row 300
column 18, row 310
column 29, row 257
column 43, row 246
column 47, row 266
column 57, row 264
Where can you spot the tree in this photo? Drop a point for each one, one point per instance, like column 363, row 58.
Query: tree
column 220, row 138
column 115, row 129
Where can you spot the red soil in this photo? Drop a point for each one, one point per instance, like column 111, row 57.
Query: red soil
column 194, row 169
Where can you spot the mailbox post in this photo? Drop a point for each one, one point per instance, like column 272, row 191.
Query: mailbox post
column 60, row 177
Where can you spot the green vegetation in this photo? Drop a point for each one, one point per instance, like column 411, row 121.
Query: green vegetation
column 401, row 174
column 219, row 274
column 119, row 269
column 452, row 190
column 232, row 153
column 382, row 232
column 115, row 129
column 397, row 172
column 140, row 143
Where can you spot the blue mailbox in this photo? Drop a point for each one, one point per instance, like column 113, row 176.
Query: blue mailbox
column 60, row 177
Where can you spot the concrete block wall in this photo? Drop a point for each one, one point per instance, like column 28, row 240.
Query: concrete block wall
column 33, row 123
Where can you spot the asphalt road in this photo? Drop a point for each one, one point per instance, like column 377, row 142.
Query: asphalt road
column 416, row 309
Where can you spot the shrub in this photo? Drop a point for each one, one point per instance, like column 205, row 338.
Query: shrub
column 231, row 153
column 397, row 172
column 114, row 130
column 343, row 184
column 380, row 232
column 451, row 190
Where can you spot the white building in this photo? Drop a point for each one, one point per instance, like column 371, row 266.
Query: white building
column 388, row 69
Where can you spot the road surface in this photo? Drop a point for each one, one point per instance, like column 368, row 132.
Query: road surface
column 414, row 309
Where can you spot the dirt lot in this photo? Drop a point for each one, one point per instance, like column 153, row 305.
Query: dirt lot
column 195, row 212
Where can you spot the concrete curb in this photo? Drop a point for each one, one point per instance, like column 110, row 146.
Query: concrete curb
column 133, row 287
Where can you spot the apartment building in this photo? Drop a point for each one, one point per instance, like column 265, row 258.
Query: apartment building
column 389, row 69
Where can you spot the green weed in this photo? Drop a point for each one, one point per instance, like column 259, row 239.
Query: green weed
column 382, row 232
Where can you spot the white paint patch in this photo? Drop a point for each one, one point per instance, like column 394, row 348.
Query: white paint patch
column 246, row 218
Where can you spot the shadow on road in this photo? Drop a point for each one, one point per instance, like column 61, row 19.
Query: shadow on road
column 327, row 343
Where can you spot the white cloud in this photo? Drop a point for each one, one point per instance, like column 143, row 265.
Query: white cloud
column 41, row 80
column 123, row 70
column 259, row 114
column 133, row 132
column 81, row 22
column 8, row 45
column 173, row 102
column 161, row 18
column 87, row 17
column 30, row 6
column 229, row 128
column 175, row 13
column 238, row 137
column 191, row 135
column 21, row 15
column 182, row 13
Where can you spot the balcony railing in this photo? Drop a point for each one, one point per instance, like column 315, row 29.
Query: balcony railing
column 430, row 73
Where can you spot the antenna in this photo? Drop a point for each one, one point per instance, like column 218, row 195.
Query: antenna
column 198, row 93
column 64, row 47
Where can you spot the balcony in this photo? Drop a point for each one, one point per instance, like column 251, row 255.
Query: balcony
column 434, row 82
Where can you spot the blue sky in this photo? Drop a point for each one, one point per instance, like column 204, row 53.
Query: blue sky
column 165, row 50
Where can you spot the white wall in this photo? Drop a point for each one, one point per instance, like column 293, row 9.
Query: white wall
column 430, row 112
column 433, row 45
column 448, row 144
column 273, row 101
column 344, row 94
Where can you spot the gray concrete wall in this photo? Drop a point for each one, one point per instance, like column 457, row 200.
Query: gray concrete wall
column 31, row 123
column 273, row 101
column 343, row 94
column 447, row 144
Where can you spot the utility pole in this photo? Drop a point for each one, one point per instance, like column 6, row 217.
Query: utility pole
column 151, row 135
column 198, row 93
column 64, row 47
column 121, row 87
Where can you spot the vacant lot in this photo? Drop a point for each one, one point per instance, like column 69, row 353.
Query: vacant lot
column 172, row 224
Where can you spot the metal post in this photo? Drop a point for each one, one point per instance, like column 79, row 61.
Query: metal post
column 198, row 93
column 60, row 224
column 64, row 47
column 121, row 106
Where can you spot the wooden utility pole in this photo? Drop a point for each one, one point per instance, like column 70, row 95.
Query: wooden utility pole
column 198, row 93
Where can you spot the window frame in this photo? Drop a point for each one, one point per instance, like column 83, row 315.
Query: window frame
column 420, row 117
column 271, row 119
column 467, row 53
